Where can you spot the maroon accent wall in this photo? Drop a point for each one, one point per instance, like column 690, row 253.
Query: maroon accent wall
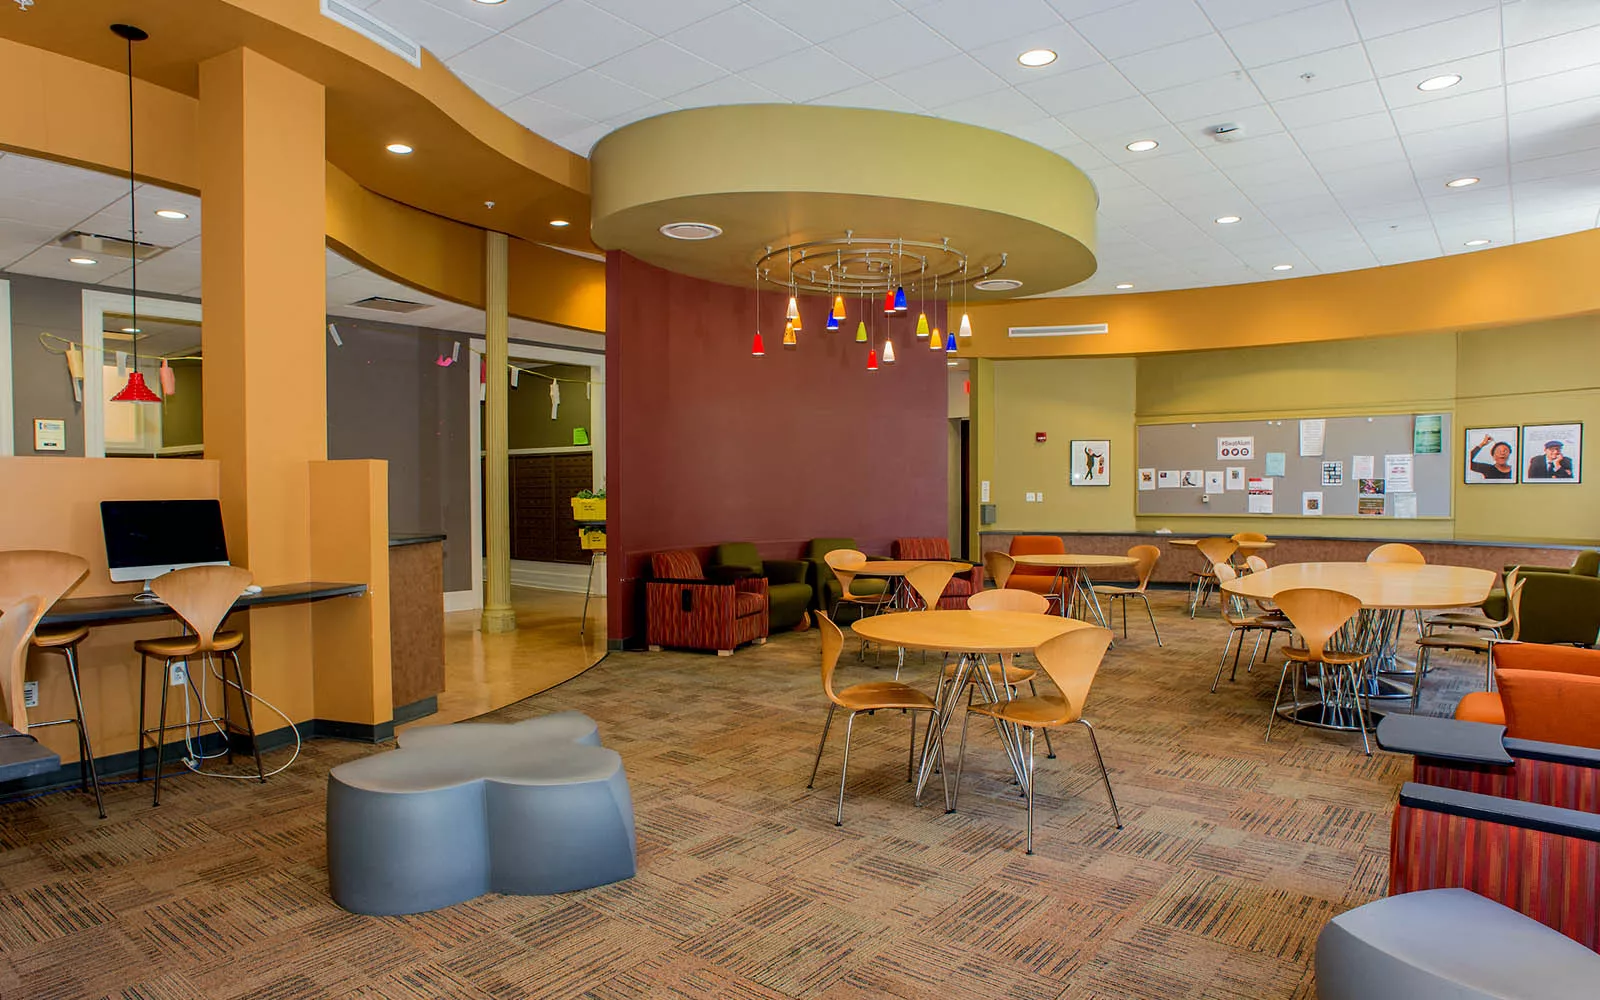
column 707, row 444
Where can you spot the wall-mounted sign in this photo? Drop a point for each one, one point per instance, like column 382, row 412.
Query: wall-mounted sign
column 1236, row 448
column 49, row 435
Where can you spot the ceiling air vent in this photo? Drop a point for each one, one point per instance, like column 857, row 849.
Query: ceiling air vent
column 1082, row 330
column 362, row 23
column 108, row 246
column 386, row 304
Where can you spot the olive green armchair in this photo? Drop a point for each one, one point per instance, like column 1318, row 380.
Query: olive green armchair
column 788, row 592
column 1560, row 604
column 824, row 584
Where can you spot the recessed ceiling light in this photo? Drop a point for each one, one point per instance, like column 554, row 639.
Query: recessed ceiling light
column 560, row 223
column 491, row 2
column 1142, row 146
column 997, row 284
column 1476, row 243
column 171, row 213
column 398, row 148
column 1283, row 267
column 1439, row 82
column 1125, row 285
column 691, row 230
column 131, row 329
column 82, row 260
column 1227, row 220
column 1035, row 58
column 1461, row 182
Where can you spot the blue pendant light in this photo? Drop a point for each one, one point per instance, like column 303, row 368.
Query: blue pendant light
column 950, row 344
column 900, row 305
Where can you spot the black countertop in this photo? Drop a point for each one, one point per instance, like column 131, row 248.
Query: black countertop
column 123, row 607
column 395, row 541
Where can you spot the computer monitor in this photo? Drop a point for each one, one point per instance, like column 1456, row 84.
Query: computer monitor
column 146, row 538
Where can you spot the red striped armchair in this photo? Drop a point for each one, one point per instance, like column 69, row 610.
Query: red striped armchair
column 684, row 610
column 960, row 587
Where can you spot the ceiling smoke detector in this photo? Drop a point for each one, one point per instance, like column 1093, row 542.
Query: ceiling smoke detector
column 997, row 284
column 1226, row 132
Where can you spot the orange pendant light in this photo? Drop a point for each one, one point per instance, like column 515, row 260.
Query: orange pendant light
column 838, row 307
column 935, row 342
column 788, row 333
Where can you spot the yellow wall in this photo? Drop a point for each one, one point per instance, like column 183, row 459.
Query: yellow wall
column 1546, row 372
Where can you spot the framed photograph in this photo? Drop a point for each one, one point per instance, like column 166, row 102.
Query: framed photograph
column 1491, row 455
column 1553, row 452
column 1091, row 463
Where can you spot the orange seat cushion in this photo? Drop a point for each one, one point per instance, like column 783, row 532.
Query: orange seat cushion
column 1482, row 706
column 1551, row 707
column 1538, row 656
column 748, row 604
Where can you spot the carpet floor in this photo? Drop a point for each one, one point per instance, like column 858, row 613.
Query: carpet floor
column 1235, row 853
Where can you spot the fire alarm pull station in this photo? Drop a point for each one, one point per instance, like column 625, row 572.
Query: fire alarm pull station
column 1038, row 436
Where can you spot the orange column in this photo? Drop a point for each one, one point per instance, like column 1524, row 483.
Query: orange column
column 262, row 173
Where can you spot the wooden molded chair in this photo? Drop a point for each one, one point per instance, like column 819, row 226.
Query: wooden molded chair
column 1000, row 566
column 1028, row 603
column 1148, row 556
column 1025, row 601
column 202, row 596
column 869, row 697
column 1071, row 660
column 1240, row 625
column 1317, row 614
column 843, row 563
column 1214, row 551
column 49, row 576
column 1397, row 552
column 1255, row 564
column 1484, row 644
column 929, row 581
column 17, row 616
column 1249, row 536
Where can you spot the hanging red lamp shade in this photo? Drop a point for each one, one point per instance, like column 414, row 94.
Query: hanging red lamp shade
column 136, row 391
column 872, row 360
column 888, row 303
column 757, row 348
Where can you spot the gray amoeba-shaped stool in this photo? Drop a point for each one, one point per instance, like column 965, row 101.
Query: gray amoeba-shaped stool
column 527, row 808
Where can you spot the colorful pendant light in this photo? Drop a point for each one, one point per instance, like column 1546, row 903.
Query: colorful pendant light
column 833, row 322
column 872, row 360
column 757, row 348
column 900, row 305
column 135, row 391
column 838, row 309
column 794, row 308
column 888, row 303
column 922, row 324
column 966, row 326
column 888, row 351
column 861, row 332
column 788, row 333
column 795, row 319
column 950, row 344
column 935, row 342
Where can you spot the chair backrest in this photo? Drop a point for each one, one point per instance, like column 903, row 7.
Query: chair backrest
column 832, row 644
column 1255, row 564
column 841, row 561
column 921, row 548
column 202, row 596
column 818, row 548
column 678, row 564
column 1000, row 566
column 1025, row 601
column 1513, row 618
column 1397, row 552
column 16, row 630
column 1551, row 707
column 1037, row 545
column 1072, row 659
column 1148, row 556
column 1249, row 536
column 1538, row 656
column 929, row 580
column 39, row 573
column 1225, row 573
column 1587, row 563
column 1217, row 550
column 1317, row 614
column 742, row 555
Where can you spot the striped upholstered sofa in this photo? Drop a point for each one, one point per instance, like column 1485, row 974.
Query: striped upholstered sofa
column 960, row 587
column 685, row 610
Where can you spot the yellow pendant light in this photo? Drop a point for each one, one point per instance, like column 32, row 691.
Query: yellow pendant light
column 795, row 320
column 922, row 324
column 788, row 334
column 861, row 332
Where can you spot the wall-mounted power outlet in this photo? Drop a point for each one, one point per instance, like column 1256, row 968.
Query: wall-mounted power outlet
column 178, row 674
column 1039, row 497
column 30, row 694
column 1028, row 497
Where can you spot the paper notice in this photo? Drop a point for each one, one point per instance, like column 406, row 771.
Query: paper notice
column 1405, row 505
column 1311, row 503
column 1397, row 472
column 1167, row 479
column 1261, row 496
column 1333, row 473
column 1311, row 433
column 1277, row 463
column 1369, row 506
column 1235, row 477
column 1214, row 482
column 1362, row 467
column 1236, row 448
column 1192, row 479
column 1147, row 479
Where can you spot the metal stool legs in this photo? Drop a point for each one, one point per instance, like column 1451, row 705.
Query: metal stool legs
column 88, row 773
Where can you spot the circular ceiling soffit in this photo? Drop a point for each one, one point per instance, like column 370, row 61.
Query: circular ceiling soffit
column 906, row 177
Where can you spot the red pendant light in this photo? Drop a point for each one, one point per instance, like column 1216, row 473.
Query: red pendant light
column 136, row 391
column 757, row 348
column 888, row 303
column 872, row 360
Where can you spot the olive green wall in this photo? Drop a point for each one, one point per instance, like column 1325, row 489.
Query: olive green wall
column 1546, row 372
column 180, row 411
column 528, row 409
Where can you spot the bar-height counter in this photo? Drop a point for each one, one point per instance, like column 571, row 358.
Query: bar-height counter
column 416, row 624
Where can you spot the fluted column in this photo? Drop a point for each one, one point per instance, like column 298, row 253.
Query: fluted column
column 497, row 613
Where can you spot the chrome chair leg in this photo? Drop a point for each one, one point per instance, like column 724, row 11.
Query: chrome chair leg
column 1222, row 661
column 844, row 768
column 1423, row 655
column 1276, row 698
column 911, row 754
column 826, row 723
column 161, row 731
column 961, row 760
column 1150, row 614
column 1105, row 776
column 1030, row 790
column 244, row 706
column 140, row 762
column 1361, row 712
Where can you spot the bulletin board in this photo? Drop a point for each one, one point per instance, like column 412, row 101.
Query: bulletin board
column 1189, row 447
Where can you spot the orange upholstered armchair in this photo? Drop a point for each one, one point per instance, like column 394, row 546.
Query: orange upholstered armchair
column 1039, row 579
column 1546, row 693
column 683, row 609
column 960, row 587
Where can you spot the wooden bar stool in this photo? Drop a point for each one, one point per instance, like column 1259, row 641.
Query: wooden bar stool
column 202, row 596
column 1317, row 614
column 49, row 575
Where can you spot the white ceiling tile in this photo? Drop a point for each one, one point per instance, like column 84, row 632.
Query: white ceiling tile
column 660, row 69
column 545, row 119
column 1204, row 98
column 1483, row 138
column 495, row 16
column 999, row 109
column 1072, row 52
column 1084, row 155
column 870, row 95
column 1046, row 132
column 663, row 18
column 1327, row 70
column 810, row 73
column 892, row 46
column 1383, row 17
column 1286, row 36
column 1479, row 74
column 946, row 81
column 1531, row 137
column 51, row 217
column 1141, row 25
column 1436, row 43
column 1366, row 154
column 976, row 24
column 1584, row 163
column 1084, row 88
column 1339, row 104
column 1557, row 88
column 492, row 92
column 445, row 33
column 590, row 95
column 820, row 20
column 1178, row 63
column 1534, row 19
column 1573, row 50
column 725, row 90
column 583, row 140
column 1131, row 117
column 513, row 66
column 51, row 262
column 580, row 31
column 1252, row 125
column 1169, row 138
column 1345, row 132
column 1450, row 111
column 1232, row 13
column 738, row 38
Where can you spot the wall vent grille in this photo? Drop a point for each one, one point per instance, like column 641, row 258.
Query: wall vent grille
column 366, row 25
column 1081, row 330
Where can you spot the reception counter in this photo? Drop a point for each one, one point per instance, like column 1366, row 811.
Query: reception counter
column 416, row 624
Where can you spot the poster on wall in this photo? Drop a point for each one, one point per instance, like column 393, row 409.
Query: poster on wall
column 1405, row 504
column 1311, row 503
column 1312, row 433
column 1236, row 477
column 1362, row 467
column 1091, row 463
column 1491, row 455
column 1167, row 479
column 1192, row 479
column 1333, row 473
column 1398, row 473
column 1369, row 487
column 1236, row 448
column 1427, row 434
column 1214, row 482
column 1147, row 479
column 1277, row 463
column 1369, row 506
column 1554, row 453
column 1261, row 495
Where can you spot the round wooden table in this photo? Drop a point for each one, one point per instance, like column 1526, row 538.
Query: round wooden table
column 974, row 635
column 1386, row 592
column 1079, row 594
column 1245, row 547
column 895, row 570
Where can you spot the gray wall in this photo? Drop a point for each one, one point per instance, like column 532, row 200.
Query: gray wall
column 388, row 399
column 39, row 379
